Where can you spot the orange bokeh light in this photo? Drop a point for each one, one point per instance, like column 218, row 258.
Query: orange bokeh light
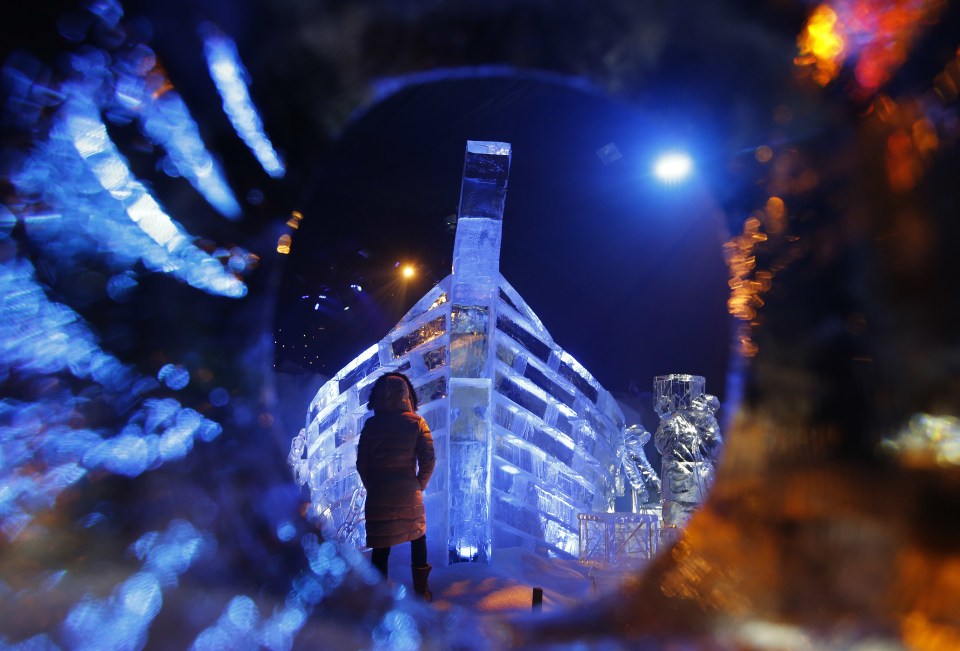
column 821, row 45
column 877, row 34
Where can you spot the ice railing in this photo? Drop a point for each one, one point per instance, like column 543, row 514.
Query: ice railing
column 619, row 540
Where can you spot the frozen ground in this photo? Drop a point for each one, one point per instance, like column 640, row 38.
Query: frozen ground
column 505, row 587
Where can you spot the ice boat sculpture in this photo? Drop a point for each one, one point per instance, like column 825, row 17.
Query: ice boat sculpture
column 526, row 439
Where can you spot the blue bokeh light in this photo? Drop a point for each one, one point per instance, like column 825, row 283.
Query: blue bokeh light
column 230, row 78
column 219, row 397
column 167, row 121
column 174, row 376
column 286, row 531
column 397, row 631
column 78, row 171
column 122, row 619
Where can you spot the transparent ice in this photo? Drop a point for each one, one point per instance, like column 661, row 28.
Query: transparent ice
column 689, row 440
column 639, row 473
column 621, row 540
column 526, row 438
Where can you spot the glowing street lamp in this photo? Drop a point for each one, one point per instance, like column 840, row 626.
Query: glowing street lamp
column 408, row 271
column 673, row 167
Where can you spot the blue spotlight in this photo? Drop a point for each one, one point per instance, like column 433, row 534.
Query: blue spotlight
column 673, row 167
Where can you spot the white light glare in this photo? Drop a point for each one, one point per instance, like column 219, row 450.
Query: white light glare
column 673, row 168
column 467, row 551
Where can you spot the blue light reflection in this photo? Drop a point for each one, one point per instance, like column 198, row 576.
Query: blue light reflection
column 167, row 121
column 122, row 619
column 85, row 426
column 230, row 77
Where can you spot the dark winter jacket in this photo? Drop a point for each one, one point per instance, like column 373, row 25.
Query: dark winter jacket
column 395, row 459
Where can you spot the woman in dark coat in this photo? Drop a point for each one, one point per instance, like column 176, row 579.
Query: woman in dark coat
column 395, row 459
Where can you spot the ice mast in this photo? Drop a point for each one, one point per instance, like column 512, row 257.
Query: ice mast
column 473, row 308
column 526, row 438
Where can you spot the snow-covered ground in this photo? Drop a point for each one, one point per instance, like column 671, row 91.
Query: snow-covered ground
column 505, row 586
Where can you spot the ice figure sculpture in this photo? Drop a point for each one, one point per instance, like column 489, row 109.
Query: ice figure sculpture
column 639, row 473
column 526, row 439
column 626, row 540
column 689, row 440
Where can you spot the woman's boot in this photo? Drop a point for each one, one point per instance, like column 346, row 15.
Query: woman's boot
column 420, row 575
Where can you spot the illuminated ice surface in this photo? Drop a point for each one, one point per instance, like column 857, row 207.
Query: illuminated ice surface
column 526, row 438
column 619, row 540
column 636, row 467
column 689, row 440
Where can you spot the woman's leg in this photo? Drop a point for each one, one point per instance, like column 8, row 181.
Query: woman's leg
column 379, row 559
column 418, row 552
column 421, row 570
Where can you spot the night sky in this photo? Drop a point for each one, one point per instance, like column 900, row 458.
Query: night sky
column 625, row 273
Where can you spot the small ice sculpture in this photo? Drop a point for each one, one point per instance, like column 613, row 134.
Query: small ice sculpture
column 640, row 474
column 689, row 440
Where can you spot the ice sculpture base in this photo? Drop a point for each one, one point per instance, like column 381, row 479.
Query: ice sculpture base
column 467, row 555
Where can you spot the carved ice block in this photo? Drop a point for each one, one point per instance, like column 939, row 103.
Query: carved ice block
column 688, row 439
